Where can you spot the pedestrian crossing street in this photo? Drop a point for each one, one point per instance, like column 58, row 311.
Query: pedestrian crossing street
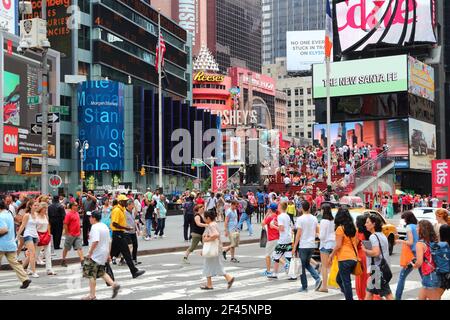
column 167, row 281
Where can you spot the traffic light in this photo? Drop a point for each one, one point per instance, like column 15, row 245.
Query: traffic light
column 142, row 171
column 23, row 164
column 83, row 174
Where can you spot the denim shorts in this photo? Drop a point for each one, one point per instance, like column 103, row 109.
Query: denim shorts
column 326, row 251
column 431, row 281
column 30, row 238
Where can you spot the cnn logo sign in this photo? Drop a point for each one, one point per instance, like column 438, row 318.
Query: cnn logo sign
column 11, row 140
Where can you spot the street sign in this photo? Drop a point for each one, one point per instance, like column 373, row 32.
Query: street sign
column 55, row 181
column 197, row 163
column 52, row 117
column 62, row 110
column 37, row 129
column 32, row 100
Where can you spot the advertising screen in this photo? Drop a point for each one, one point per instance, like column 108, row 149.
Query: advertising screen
column 421, row 79
column 21, row 109
column 364, row 76
column 375, row 133
column 365, row 23
column 422, row 144
column 8, row 15
column 101, row 122
column 304, row 48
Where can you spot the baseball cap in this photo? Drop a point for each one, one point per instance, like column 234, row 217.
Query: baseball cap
column 122, row 197
column 95, row 214
column 273, row 206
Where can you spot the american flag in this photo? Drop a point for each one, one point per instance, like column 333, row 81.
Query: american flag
column 160, row 50
column 328, row 31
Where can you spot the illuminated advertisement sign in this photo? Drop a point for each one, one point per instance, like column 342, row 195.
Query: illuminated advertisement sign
column 364, row 23
column 101, row 121
column 304, row 48
column 8, row 15
column 422, row 144
column 421, row 79
column 440, row 179
column 187, row 16
column 219, row 178
column 205, row 77
column 20, row 95
column 364, row 76
column 259, row 82
column 375, row 133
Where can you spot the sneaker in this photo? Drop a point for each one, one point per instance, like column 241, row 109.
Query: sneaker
column 25, row 284
column 29, row 272
column 224, row 253
column 138, row 273
column 137, row 262
column 266, row 273
column 292, row 279
column 122, row 262
column 116, row 289
column 51, row 273
column 147, row 238
column 272, row 276
column 114, row 260
column 234, row 260
column 63, row 263
column 155, row 237
column 318, row 284
column 34, row 275
column 186, row 261
column 303, row 290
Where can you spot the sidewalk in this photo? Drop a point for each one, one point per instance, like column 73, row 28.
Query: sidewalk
column 173, row 241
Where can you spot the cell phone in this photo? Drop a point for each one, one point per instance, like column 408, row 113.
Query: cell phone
column 367, row 244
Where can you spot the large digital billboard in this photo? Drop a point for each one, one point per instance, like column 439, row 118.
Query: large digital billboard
column 375, row 133
column 422, row 144
column 365, row 23
column 364, row 76
column 101, row 123
column 304, row 48
column 421, row 79
column 20, row 94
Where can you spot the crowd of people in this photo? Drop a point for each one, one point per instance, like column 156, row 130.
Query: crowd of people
column 111, row 225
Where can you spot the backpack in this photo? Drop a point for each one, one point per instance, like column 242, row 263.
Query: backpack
column 440, row 251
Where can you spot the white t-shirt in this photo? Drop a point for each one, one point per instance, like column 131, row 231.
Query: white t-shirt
column 287, row 180
column 434, row 202
column 286, row 235
column 308, row 224
column 327, row 235
column 211, row 203
column 100, row 232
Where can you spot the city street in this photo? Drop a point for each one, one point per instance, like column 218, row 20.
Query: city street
column 167, row 277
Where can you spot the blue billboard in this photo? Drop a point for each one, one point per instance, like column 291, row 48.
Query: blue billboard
column 101, row 123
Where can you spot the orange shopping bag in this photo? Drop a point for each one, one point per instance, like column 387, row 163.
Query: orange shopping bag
column 406, row 255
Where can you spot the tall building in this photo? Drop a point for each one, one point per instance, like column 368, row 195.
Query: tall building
column 280, row 16
column 300, row 108
column 281, row 99
column 231, row 29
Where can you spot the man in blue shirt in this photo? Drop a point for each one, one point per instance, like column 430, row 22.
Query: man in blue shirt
column 8, row 246
column 261, row 207
column 231, row 231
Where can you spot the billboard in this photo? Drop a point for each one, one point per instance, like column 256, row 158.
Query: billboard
column 365, row 23
column 440, row 179
column 364, row 76
column 375, row 133
column 422, row 144
column 20, row 94
column 421, row 79
column 219, row 178
column 8, row 15
column 304, row 48
column 101, row 123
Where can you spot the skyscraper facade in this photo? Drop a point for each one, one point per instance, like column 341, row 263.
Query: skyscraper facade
column 280, row 16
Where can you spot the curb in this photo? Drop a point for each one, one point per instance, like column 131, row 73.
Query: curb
column 57, row 262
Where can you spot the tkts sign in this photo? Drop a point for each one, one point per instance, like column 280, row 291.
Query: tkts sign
column 219, row 178
column 363, row 23
column 441, row 179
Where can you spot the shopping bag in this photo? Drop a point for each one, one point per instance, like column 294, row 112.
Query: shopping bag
column 263, row 238
column 210, row 249
column 294, row 268
column 406, row 255
column 333, row 273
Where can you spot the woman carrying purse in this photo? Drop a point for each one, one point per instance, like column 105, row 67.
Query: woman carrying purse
column 212, row 265
column 43, row 229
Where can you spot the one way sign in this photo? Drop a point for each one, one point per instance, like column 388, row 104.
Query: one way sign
column 37, row 129
column 52, row 118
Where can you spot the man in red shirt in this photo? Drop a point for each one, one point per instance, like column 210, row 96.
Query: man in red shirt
column 72, row 232
column 395, row 203
column 272, row 235
column 200, row 199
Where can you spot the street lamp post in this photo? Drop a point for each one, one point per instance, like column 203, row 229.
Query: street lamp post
column 83, row 146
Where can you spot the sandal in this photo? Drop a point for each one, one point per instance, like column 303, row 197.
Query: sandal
column 89, row 298
column 51, row 273
column 206, row 288
column 230, row 283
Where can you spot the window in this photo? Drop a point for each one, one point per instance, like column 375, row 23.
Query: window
column 309, row 126
column 83, row 68
column 66, row 146
column 66, row 101
column 84, row 39
column 282, row 63
column 309, row 102
column 314, row 112
column 296, row 114
column 297, row 102
column 296, row 92
column 289, row 104
column 309, row 113
column 301, row 113
column 84, row 6
column 288, row 91
column 297, row 134
column 289, row 114
column 309, row 135
column 302, row 134
column 302, row 103
column 301, row 91
column 308, row 90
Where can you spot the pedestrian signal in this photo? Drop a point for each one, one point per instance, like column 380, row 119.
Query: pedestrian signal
column 142, row 171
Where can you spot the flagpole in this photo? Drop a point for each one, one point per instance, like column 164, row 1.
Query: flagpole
column 327, row 67
column 160, row 102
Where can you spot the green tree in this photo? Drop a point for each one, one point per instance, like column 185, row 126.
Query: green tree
column 189, row 184
column 206, row 184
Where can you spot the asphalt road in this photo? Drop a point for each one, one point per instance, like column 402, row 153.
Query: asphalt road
column 167, row 277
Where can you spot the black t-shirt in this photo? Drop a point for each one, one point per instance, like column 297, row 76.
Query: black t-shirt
column 149, row 212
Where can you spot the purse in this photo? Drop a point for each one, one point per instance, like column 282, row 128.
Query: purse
column 406, row 255
column 210, row 249
column 44, row 238
column 263, row 238
column 358, row 270
column 386, row 273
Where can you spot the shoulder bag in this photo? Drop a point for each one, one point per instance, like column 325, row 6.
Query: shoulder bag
column 358, row 270
column 386, row 273
column 44, row 238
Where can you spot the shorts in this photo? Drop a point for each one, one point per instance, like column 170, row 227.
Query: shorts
column 431, row 281
column 270, row 247
column 234, row 239
column 30, row 238
column 282, row 250
column 326, row 251
column 383, row 291
column 74, row 242
column 92, row 269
